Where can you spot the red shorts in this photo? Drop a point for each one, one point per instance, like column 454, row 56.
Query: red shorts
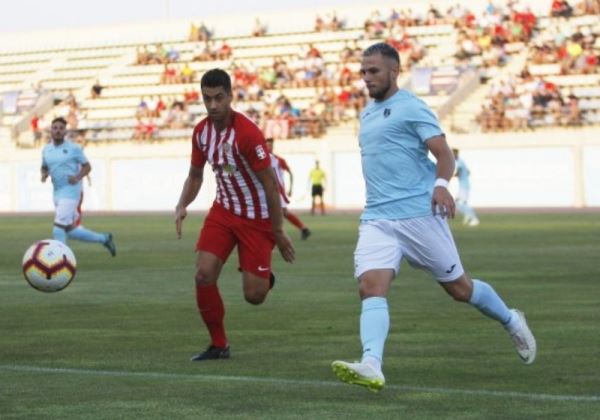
column 223, row 230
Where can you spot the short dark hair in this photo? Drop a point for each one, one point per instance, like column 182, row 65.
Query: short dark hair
column 59, row 119
column 216, row 78
column 384, row 49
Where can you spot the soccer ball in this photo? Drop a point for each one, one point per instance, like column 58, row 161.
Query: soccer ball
column 49, row 265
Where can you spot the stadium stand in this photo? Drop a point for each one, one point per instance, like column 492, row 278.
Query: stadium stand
column 302, row 80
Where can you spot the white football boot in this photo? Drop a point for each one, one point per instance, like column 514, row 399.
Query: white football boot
column 362, row 374
column 523, row 339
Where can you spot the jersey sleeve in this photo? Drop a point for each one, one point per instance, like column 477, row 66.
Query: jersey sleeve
column 253, row 148
column 424, row 123
column 198, row 157
column 79, row 155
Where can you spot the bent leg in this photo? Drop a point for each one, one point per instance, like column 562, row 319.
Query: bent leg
column 255, row 287
column 480, row 295
column 86, row 235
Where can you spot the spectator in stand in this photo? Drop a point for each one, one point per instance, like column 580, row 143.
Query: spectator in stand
column 588, row 7
column 159, row 107
column 572, row 111
column 35, row 129
column 178, row 117
column 319, row 24
column 142, row 108
column 335, row 24
column 145, row 129
column 187, row 74
column 169, row 75
column 152, row 106
column 70, row 100
column 190, row 96
column 204, row 52
column 172, row 55
column 224, row 51
column 199, row 33
column 260, row 29
column 96, row 90
column 312, row 51
column 142, row 56
column 561, row 8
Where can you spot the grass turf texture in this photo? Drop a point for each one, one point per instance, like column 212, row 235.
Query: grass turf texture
column 116, row 342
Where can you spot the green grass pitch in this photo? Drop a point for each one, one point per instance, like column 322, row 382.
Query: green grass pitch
column 116, row 343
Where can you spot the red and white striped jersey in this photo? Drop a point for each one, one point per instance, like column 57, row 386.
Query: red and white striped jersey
column 235, row 155
column 279, row 165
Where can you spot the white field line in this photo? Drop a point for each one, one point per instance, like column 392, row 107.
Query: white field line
column 297, row 382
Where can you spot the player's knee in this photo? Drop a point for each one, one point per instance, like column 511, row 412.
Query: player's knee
column 204, row 278
column 254, row 297
column 459, row 294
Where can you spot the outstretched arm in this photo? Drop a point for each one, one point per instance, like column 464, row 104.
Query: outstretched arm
column 442, row 201
column 284, row 244
column 190, row 190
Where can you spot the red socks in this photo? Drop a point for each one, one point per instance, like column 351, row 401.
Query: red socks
column 294, row 220
column 210, row 306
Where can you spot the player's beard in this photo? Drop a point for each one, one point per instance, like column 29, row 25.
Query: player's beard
column 380, row 93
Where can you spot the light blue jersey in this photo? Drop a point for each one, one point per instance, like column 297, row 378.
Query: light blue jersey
column 462, row 173
column 398, row 173
column 62, row 162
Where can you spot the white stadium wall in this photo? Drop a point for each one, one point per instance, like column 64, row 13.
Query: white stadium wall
column 508, row 170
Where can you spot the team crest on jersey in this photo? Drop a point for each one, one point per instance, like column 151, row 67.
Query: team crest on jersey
column 228, row 169
column 386, row 112
column 260, row 152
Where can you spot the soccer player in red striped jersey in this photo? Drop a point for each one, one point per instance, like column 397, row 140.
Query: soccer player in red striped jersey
column 246, row 212
column 280, row 166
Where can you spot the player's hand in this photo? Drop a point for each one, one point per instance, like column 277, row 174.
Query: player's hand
column 442, row 203
column 180, row 214
column 289, row 193
column 44, row 177
column 73, row 179
column 284, row 243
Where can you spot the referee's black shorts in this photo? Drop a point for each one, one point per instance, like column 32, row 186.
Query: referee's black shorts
column 317, row 190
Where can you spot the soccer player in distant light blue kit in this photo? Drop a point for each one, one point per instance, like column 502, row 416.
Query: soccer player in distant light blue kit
column 405, row 216
column 464, row 188
column 66, row 165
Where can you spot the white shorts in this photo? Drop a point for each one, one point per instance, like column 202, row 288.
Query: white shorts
column 426, row 242
column 67, row 211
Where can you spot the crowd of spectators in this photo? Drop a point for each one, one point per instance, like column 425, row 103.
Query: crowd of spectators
column 524, row 102
column 531, row 100
column 272, row 94
column 574, row 52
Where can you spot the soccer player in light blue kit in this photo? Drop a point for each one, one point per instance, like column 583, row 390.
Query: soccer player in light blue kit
column 406, row 217
column 464, row 188
column 66, row 165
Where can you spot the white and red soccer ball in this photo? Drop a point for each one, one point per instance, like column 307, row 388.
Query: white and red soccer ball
column 49, row 265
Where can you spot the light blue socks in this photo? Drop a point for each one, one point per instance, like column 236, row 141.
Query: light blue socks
column 82, row 234
column 488, row 302
column 374, row 327
column 59, row 234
